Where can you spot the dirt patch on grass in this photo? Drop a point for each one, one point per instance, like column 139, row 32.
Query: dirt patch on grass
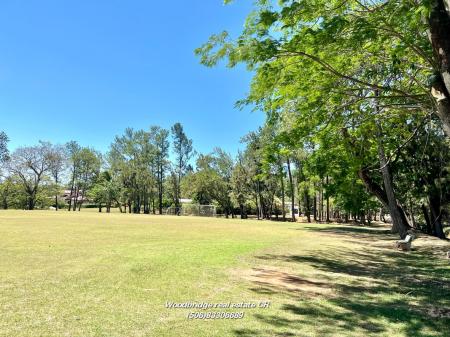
column 432, row 311
column 268, row 279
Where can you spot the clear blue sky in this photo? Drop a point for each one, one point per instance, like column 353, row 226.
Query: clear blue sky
column 85, row 70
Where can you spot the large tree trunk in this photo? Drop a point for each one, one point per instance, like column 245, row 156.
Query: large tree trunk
column 436, row 217
column 439, row 36
column 400, row 223
column 381, row 195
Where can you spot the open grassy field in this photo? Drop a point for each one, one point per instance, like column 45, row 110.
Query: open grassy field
column 88, row 274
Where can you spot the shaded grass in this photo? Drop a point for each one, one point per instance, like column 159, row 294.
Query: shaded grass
column 377, row 290
column 89, row 274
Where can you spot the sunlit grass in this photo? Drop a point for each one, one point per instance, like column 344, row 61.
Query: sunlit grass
column 90, row 274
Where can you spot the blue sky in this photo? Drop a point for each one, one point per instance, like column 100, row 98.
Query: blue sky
column 85, row 70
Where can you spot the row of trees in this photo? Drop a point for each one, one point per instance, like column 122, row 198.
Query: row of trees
column 323, row 180
column 137, row 176
column 358, row 92
column 136, row 173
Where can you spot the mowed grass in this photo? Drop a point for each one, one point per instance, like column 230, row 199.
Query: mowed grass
column 95, row 274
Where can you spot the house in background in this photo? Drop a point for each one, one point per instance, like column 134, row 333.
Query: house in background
column 67, row 196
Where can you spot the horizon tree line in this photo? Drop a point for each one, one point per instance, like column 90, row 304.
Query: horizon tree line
column 269, row 179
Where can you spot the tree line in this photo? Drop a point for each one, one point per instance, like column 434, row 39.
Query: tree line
column 270, row 179
column 360, row 90
column 136, row 175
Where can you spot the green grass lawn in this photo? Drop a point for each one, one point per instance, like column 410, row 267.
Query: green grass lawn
column 90, row 274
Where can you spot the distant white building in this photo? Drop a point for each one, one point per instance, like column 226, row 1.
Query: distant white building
column 185, row 201
column 288, row 208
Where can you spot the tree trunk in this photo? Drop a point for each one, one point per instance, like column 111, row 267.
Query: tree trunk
column 260, row 205
column 436, row 217
column 146, row 203
column 315, row 206
column 160, row 190
column 75, row 200
column 321, row 200
column 363, row 218
column 411, row 209
column 426, row 215
column 399, row 221
column 328, row 202
column 382, row 218
column 72, row 186
column 257, row 206
column 30, row 203
column 283, row 204
column 56, row 195
column 308, row 206
column 291, row 184
column 439, row 35
column 386, row 196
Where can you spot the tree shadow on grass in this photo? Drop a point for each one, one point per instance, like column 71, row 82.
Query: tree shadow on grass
column 376, row 291
column 355, row 232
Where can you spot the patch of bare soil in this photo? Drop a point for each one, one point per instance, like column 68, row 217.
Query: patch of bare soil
column 270, row 278
column 433, row 312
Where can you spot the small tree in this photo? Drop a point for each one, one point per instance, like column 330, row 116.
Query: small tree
column 58, row 162
column 183, row 150
column 29, row 165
